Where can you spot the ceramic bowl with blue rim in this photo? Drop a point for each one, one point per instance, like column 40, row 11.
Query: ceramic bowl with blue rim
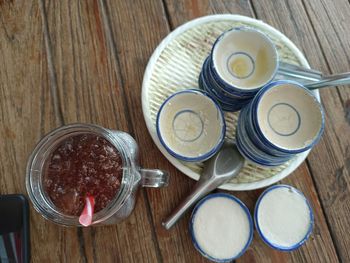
column 228, row 102
column 227, row 105
column 287, row 117
column 190, row 125
column 283, row 217
column 224, row 105
column 221, row 87
column 250, row 150
column 224, row 95
column 282, row 120
column 221, row 227
column 244, row 60
column 254, row 136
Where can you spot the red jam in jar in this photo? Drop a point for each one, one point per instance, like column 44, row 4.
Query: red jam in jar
column 82, row 165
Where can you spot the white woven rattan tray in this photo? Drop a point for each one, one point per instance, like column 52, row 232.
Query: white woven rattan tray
column 175, row 65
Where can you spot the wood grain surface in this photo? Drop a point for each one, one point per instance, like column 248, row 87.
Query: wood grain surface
column 83, row 61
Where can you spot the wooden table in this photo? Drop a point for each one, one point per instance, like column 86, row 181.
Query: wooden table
column 83, row 61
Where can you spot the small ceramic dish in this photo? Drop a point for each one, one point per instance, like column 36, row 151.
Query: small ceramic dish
column 228, row 102
column 221, row 227
column 222, row 87
column 244, row 59
column 191, row 125
column 250, row 150
column 224, row 105
column 254, row 136
column 287, row 117
column 283, row 217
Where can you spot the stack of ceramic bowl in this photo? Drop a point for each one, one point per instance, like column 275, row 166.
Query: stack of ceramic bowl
column 282, row 120
column 242, row 61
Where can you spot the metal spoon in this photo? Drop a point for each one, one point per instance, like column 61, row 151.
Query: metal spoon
column 219, row 169
column 311, row 78
column 331, row 80
column 298, row 73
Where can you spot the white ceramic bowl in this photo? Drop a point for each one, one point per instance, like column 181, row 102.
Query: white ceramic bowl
column 221, row 227
column 244, row 58
column 288, row 116
column 191, row 125
column 252, row 151
column 283, row 217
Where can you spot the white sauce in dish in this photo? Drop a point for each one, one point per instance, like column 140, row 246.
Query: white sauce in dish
column 221, row 227
column 283, row 217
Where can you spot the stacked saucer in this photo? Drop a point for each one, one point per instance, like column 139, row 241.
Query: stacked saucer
column 242, row 61
column 282, row 120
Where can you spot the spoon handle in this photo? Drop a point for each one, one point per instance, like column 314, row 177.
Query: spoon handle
column 332, row 80
column 200, row 190
column 298, row 73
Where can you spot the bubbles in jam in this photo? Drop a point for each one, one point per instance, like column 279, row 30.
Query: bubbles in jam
column 81, row 165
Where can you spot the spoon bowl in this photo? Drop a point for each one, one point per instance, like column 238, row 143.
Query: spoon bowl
column 222, row 167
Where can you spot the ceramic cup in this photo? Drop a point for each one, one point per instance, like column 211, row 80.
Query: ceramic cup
column 283, row 217
column 288, row 117
column 228, row 101
column 221, row 227
column 241, row 61
column 244, row 59
column 250, row 149
column 191, row 125
column 282, row 120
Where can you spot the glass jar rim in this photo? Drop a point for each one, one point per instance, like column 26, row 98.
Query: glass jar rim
column 48, row 210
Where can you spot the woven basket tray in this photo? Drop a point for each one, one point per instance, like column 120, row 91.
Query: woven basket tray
column 175, row 65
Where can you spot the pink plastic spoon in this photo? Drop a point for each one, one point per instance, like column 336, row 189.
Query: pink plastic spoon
column 86, row 216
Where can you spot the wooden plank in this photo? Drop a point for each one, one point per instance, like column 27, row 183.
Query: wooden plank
column 321, row 240
column 89, row 91
column 26, row 111
column 24, row 100
column 325, row 43
column 330, row 23
column 331, row 162
column 180, row 12
column 137, row 27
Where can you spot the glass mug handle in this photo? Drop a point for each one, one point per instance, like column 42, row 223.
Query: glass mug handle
column 154, row 178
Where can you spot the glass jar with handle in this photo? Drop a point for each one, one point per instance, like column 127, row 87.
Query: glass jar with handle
column 133, row 177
